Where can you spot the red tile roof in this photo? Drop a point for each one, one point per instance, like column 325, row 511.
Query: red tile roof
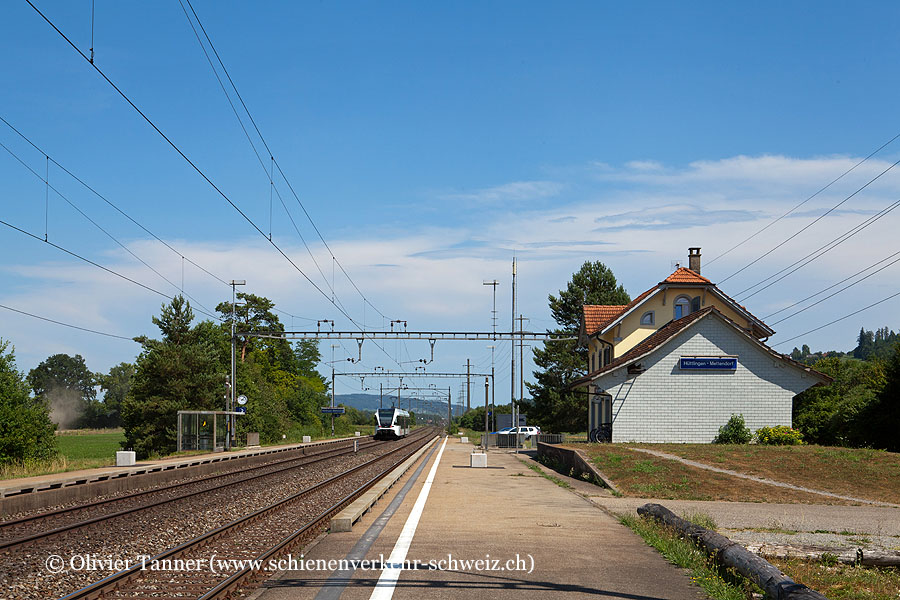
column 656, row 339
column 670, row 330
column 684, row 275
column 596, row 316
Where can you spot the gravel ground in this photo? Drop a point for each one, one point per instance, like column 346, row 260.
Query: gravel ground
column 834, row 528
column 24, row 571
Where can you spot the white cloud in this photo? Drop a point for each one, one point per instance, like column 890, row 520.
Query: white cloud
column 432, row 276
column 513, row 192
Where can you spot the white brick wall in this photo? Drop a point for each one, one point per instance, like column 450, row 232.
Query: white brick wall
column 666, row 404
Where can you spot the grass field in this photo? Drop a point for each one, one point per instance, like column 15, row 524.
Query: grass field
column 844, row 582
column 644, row 476
column 90, row 444
column 858, row 472
column 837, row 582
column 78, row 449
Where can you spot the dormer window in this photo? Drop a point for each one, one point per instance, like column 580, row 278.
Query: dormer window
column 682, row 307
column 648, row 318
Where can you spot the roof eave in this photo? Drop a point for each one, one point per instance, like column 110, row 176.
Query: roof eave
column 626, row 313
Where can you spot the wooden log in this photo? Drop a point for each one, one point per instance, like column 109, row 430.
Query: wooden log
column 866, row 558
column 769, row 578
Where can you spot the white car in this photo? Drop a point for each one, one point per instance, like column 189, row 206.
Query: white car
column 526, row 431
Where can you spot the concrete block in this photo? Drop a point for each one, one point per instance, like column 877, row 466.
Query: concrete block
column 464, row 439
column 125, row 458
column 357, row 433
column 306, row 439
column 478, row 459
column 253, row 439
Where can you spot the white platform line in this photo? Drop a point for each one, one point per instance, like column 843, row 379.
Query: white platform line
column 384, row 589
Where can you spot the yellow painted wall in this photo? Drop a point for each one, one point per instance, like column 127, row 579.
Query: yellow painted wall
column 633, row 332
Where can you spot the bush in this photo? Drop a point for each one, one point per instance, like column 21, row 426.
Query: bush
column 734, row 432
column 780, row 435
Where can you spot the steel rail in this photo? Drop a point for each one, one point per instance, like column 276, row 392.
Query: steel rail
column 115, row 581
column 240, row 578
column 238, row 470
column 14, row 543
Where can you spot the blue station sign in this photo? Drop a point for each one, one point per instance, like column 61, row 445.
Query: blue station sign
column 715, row 363
column 333, row 410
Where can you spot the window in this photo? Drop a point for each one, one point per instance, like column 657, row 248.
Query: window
column 695, row 304
column 682, row 307
column 592, row 361
column 648, row 318
column 607, row 356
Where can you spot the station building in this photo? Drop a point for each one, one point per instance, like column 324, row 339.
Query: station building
column 675, row 363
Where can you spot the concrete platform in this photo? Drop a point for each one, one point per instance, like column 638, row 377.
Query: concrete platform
column 558, row 544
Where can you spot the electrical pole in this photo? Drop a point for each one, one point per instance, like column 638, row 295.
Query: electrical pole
column 229, row 433
column 493, row 283
column 333, row 346
column 449, row 412
column 380, row 394
column 468, row 385
column 512, row 371
column 493, row 391
column 484, row 439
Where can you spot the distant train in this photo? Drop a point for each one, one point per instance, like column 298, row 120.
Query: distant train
column 391, row 423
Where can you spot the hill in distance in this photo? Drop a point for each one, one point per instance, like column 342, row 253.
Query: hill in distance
column 369, row 402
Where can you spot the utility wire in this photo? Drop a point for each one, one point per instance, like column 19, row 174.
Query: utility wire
column 856, row 312
column 813, row 222
column 22, row 312
column 110, row 203
column 832, row 182
column 250, row 140
column 87, row 260
column 189, row 161
column 271, row 155
column 202, row 309
column 818, row 252
column 115, row 207
column 834, row 286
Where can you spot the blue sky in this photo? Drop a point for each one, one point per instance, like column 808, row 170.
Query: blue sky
column 432, row 143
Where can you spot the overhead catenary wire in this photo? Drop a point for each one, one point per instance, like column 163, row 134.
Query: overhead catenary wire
column 49, row 320
column 134, row 221
column 815, row 254
column 271, row 154
column 819, row 191
column 810, row 297
column 203, row 310
column 813, row 222
column 193, row 165
column 838, row 320
column 90, row 262
column 253, row 147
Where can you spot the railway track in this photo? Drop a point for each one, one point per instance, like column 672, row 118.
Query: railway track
column 250, row 533
column 26, row 529
column 290, row 522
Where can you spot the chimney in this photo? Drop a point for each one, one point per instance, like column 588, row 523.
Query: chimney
column 694, row 260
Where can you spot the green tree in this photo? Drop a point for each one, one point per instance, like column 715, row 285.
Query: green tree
column 474, row 419
column 882, row 417
column 555, row 408
column 115, row 386
column 865, row 344
column 182, row 371
column 66, row 385
column 839, row 414
column 26, row 431
column 253, row 314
